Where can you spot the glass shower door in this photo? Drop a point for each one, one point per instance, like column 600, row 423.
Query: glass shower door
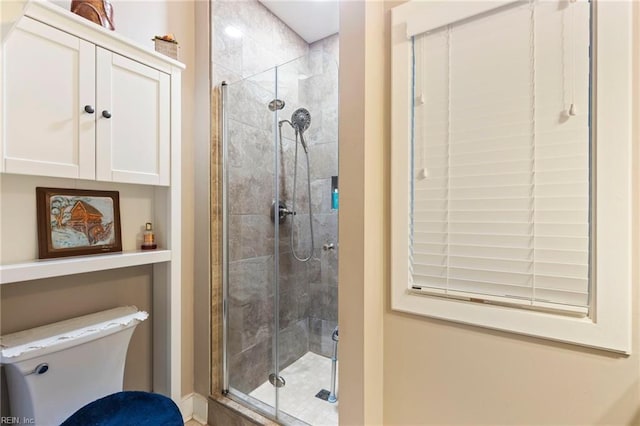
column 308, row 259
column 249, row 236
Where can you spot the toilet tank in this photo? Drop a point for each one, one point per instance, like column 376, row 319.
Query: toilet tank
column 54, row 370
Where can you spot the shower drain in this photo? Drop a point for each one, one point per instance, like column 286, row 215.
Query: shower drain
column 323, row 395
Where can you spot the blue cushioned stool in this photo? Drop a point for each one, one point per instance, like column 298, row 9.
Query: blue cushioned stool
column 128, row 408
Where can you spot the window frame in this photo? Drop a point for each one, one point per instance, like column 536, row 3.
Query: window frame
column 608, row 325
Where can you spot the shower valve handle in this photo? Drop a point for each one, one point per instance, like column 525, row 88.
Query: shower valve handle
column 282, row 212
column 286, row 212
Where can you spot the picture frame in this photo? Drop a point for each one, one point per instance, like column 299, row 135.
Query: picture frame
column 76, row 222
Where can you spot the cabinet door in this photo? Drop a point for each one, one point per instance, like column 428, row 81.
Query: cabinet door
column 49, row 77
column 133, row 138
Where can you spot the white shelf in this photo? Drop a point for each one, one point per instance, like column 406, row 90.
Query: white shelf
column 47, row 268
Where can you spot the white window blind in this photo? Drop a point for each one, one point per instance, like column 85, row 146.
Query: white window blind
column 500, row 197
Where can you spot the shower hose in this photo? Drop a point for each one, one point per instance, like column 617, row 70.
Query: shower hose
column 293, row 203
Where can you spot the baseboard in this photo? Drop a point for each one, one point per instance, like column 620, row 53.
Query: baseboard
column 186, row 407
column 194, row 406
column 200, row 408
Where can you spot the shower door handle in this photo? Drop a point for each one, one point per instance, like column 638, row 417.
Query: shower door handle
column 276, row 381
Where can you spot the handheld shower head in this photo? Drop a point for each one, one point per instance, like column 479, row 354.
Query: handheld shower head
column 301, row 120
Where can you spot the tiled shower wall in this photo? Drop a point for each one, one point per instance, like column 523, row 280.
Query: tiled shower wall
column 320, row 93
column 261, row 40
column 308, row 291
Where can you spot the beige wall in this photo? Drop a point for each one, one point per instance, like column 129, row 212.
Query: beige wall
column 437, row 372
column 361, row 220
column 202, row 194
column 139, row 21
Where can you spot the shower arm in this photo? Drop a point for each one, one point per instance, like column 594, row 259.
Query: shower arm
column 281, row 122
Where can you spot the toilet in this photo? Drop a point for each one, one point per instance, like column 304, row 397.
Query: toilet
column 54, row 370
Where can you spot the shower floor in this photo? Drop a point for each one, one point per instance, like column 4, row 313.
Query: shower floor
column 304, row 379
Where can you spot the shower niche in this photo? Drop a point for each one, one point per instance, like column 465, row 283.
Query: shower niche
column 280, row 238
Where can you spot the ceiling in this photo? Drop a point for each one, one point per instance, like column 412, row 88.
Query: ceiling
column 310, row 19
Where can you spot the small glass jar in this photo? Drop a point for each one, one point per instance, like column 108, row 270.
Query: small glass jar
column 148, row 240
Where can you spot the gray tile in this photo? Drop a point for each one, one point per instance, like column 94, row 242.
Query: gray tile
column 227, row 51
column 325, row 228
column 321, row 196
column 314, row 270
column 249, row 146
column 330, row 304
column 325, row 302
column 293, row 273
column 331, row 46
column 250, row 368
column 248, row 16
column 249, row 101
column 250, row 324
column 294, row 291
column 289, row 87
column 221, row 74
column 251, row 280
column 302, row 235
column 250, row 192
column 229, row 12
column 315, row 307
column 294, row 342
column 287, row 274
column 315, row 336
column 256, row 57
column 315, row 59
column 319, row 89
column 320, row 341
column 330, row 128
column 329, row 266
column 284, row 240
column 303, row 299
column 287, row 44
column 260, row 21
column 288, row 309
column 315, row 133
column 250, row 236
column 324, row 161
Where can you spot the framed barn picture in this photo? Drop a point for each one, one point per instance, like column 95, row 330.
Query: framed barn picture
column 74, row 222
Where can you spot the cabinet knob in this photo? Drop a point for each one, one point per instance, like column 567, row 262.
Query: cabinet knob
column 89, row 109
column 106, row 114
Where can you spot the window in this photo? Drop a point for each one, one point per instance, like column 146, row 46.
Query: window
column 510, row 183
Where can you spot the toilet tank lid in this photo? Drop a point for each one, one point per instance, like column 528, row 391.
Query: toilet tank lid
column 47, row 338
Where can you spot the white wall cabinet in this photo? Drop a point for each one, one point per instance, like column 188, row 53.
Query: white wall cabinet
column 80, row 104
column 77, row 110
column 49, row 77
column 133, row 144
